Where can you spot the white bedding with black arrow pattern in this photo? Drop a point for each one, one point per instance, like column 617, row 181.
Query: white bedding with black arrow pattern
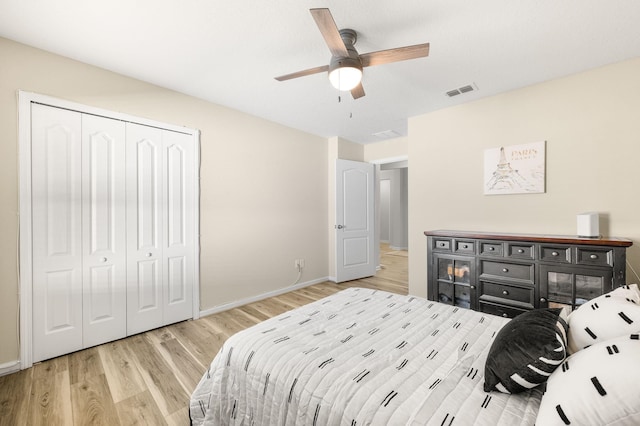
column 360, row 357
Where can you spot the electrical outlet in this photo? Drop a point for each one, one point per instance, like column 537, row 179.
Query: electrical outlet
column 299, row 264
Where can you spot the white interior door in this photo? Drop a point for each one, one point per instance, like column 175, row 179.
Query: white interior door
column 57, row 232
column 355, row 229
column 179, row 218
column 145, row 222
column 104, row 230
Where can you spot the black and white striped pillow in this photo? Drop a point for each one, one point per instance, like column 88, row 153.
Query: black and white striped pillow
column 595, row 386
column 614, row 314
column 526, row 351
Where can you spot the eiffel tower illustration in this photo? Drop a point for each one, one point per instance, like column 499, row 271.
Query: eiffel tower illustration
column 506, row 177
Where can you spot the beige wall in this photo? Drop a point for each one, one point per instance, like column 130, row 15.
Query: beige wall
column 591, row 122
column 264, row 186
column 395, row 149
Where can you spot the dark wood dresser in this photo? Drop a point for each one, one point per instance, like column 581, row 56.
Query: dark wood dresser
column 507, row 274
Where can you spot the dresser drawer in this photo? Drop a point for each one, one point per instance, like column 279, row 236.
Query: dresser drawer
column 502, row 293
column 594, row 256
column 441, row 244
column 521, row 251
column 503, row 311
column 466, row 247
column 491, row 249
column 557, row 254
column 511, row 271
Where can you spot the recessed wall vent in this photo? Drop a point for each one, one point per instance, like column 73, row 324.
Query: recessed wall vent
column 387, row 134
column 461, row 90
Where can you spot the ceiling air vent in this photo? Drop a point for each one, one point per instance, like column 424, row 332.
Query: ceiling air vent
column 387, row 134
column 461, row 90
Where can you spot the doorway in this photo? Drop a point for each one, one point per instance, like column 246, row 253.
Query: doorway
column 392, row 215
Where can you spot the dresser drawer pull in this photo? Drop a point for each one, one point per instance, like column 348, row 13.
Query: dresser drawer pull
column 472, row 287
column 505, row 292
column 491, row 248
column 442, row 244
column 554, row 253
column 465, row 246
column 505, row 315
column 520, row 251
column 594, row 256
column 505, row 270
column 542, row 299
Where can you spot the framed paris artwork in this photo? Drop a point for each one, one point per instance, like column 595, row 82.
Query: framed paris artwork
column 515, row 169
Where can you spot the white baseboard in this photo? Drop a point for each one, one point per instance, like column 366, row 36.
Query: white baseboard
column 9, row 367
column 259, row 297
column 398, row 248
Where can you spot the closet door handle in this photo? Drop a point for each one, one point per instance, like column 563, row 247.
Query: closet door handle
column 103, row 259
column 149, row 254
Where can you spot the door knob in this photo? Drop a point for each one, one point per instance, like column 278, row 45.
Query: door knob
column 339, row 226
column 149, row 254
column 103, row 259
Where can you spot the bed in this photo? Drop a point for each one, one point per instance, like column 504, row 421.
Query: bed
column 366, row 357
column 359, row 357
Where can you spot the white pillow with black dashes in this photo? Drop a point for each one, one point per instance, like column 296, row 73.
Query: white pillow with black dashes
column 616, row 313
column 595, row 386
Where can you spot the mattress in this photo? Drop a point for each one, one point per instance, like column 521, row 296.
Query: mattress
column 360, row 357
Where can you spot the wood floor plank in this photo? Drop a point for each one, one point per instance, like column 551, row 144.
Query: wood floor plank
column 254, row 312
column 122, row 374
column 92, row 403
column 202, row 341
column 179, row 418
column 229, row 322
column 295, row 299
column 50, row 399
column 160, row 379
column 15, row 391
column 50, row 367
column 187, row 369
column 84, row 364
column 140, row 409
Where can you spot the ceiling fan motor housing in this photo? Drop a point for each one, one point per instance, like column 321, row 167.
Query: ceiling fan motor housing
column 349, row 38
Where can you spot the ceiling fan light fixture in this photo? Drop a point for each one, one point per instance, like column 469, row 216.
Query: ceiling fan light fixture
column 345, row 73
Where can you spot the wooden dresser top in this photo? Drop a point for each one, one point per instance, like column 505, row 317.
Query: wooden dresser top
column 538, row 238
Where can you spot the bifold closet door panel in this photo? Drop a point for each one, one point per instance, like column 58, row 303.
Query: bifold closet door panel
column 104, row 230
column 56, row 193
column 145, row 223
column 179, row 247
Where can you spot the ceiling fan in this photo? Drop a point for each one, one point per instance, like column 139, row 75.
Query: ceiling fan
column 345, row 68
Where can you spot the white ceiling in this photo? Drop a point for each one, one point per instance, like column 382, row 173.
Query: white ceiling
column 228, row 52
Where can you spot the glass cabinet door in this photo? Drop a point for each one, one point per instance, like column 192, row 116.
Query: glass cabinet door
column 454, row 280
column 566, row 288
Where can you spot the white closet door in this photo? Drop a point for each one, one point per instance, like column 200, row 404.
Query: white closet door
column 57, row 231
column 145, row 223
column 104, row 230
column 179, row 218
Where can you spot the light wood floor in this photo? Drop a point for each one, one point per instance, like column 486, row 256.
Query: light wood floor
column 147, row 378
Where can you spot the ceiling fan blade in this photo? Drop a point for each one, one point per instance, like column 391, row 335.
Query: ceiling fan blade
column 329, row 31
column 394, row 55
column 357, row 92
column 316, row 70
